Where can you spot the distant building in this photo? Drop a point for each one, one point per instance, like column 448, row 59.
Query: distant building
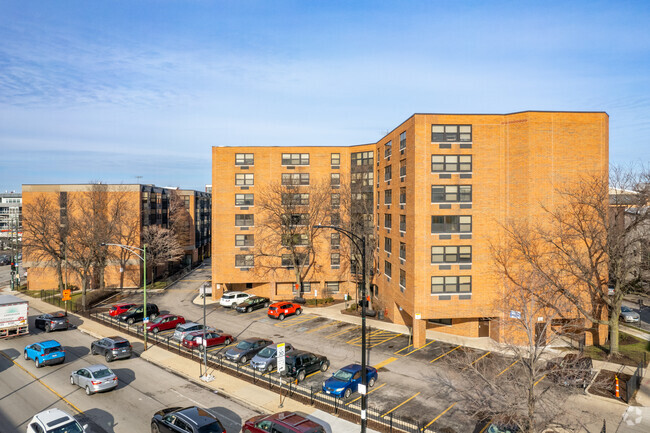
column 11, row 223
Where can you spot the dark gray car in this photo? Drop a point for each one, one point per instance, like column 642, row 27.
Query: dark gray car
column 53, row 321
column 246, row 349
column 112, row 348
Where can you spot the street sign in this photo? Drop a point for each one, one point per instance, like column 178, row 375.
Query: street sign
column 145, row 320
column 515, row 314
column 66, row 295
column 281, row 360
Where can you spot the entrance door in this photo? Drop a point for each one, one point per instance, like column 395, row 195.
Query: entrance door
column 540, row 334
column 483, row 327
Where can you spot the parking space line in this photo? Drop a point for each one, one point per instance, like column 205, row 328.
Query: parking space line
column 508, row 367
column 436, row 418
column 368, row 393
column 385, row 340
column 485, row 426
column 403, row 348
column 401, row 404
column 341, row 332
column 540, row 379
column 419, row 348
column 296, row 321
column 444, row 354
column 478, row 359
column 308, row 376
column 323, row 327
column 384, row 363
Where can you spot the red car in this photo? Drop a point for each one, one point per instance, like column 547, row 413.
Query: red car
column 282, row 422
column 280, row 310
column 164, row 322
column 195, row 339
column 118, row 309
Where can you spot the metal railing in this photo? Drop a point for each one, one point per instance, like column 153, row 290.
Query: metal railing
column 634, row 382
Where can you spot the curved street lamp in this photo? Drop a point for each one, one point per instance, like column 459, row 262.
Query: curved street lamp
column 356, row 239
column 142, row 257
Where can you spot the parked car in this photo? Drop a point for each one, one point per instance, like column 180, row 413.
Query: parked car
column 54, row 421
column 165, row 322
column 118, row 309
column 94, row 378
column 213, row 338
column 628, row 315
column 289, row 422
column 185, row 328
column 48, row 352
column 246, row 349
column 52, row 321
column 571, row 370
column 253, row 303
column 136, row 313
column 496, row 427
column 266, row 359
column 346, row 381
column 191, row 419
column 112, row 348
column 280, row 310
column 4, row 260
column 232, row 299
column 300, row 363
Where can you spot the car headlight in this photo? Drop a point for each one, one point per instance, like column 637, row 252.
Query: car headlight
column 324, row 384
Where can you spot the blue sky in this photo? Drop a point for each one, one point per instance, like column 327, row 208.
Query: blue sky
column 139, row 91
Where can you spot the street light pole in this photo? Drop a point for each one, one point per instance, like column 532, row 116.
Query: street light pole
column 364, row 374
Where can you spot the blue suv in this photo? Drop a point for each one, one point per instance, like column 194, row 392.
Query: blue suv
column 347, row 380
column 45, row 353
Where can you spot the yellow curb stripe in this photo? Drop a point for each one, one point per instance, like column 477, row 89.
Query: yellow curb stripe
column 401, row 404
column 323, row 327
column 384, row 363
column 43, row 383
column 436, row 418
column 508, row 367
column 369, row 392
column 420, row 348
column 445, row 354
column 486, row 426
column 403, row 348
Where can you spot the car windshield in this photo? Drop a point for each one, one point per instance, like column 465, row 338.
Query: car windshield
column 71, row 427
column 158, row 319
column 105, row 372
column 244, row 345
column 267, row 352
column 190, row 337
column 228, row 296
column 625, row 310
column 342, row 375
column 272, row 308
column 54, row 349
column 132, row 309
column 494, row 428
column 248, row 301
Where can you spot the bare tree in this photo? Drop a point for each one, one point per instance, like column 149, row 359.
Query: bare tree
column 162, row 246
column 128, row 233
column 286, row 236
column 180, row 220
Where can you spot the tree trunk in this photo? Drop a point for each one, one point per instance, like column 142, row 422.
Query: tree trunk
column 102, row 284
column 84, row 287
column 296, row 271
column 613, row 335
column 59, row 274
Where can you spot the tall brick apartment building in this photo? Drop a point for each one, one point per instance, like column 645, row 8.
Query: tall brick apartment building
column 441, row 184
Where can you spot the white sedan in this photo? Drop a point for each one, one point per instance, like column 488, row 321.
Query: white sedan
column 54, row 420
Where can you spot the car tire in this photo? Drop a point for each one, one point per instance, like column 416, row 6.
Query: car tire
column 298, row 311
column 324, row 366
column 249, row 309
column 347, row 393
column 88, row 391
column 130, row 321
column 48, row 328
column 269, row 368
column 109, row 357
column 154, row 428
column 155, row 330
column 371, row 382
column 301, row 376
column 281, row 317
column 243, row 359
column 71, row 380
column 92, row 350
column 227, row 341
column 37, row 363
column 25, row 355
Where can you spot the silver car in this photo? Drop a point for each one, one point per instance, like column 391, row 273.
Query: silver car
column 185, row 328
column 94, row 378
column 628, row 315
column 266, row 359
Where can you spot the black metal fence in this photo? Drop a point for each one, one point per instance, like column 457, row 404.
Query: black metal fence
column 54, row 297
column 634, row 382
column 285, row 387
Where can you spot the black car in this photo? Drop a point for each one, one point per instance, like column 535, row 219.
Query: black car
column 246, row 349
column 186, row 420
column 253, row 303
column 52, row 321
column 571, row 370
column 136, row 314
column 299, row 364
column 112, row 348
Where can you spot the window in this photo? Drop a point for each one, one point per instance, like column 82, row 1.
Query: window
column 244, row 200
column 451, row 254
column 402, row 223
column 363, row 179
column 335, row 219
column 295, row 159
column 388, row 268
column 402, row 141
column 306, row 286
column 332, row 286
column 244, row 240
column 295, row 239
column 388, row 174
column 295, row 178
column 244, row 220
column 295, row 219
column 402, row 168
column 336, row 199
column 287, row 260
column 402, row 279
column 244, row 179
column 451, row 224
column 335, row 179
column 440, row 321
column 335, row 240
column 451, row 193
column 244, row 159
column 335, row 259
column 388, row 149
column 336, row 159
column 446, row 133
column 402, row 250
column 388, row 196
column 244, row 261
column 402, row 195
column 388, row 220
column 388, row 244
column 362, row 158
column 451, row 163
column 295, row 199
column 451, row 285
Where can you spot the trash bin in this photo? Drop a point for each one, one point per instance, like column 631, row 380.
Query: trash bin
column 380, row 315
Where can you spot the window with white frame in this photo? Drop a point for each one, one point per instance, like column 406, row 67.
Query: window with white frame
column 388, row 173
column 244, row 159
column 244, row 220
column 388, row 149
column 451, row 133
column 402, row 250
column 451, row 193
column 451, row 224
column 244, row 179
column 244, row 199
column 451, row 254
column 451, row 284
column 244, row 240
column 295, row 178
column 244, row 260
column 335, row 159
column 388, row 196
column 295, row 159
column 451, row 163
column 402, row 141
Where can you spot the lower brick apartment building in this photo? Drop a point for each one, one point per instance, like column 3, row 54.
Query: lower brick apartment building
column 146, row 205
column 441, row 184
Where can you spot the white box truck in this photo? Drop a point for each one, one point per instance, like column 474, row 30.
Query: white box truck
column 13, row 316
